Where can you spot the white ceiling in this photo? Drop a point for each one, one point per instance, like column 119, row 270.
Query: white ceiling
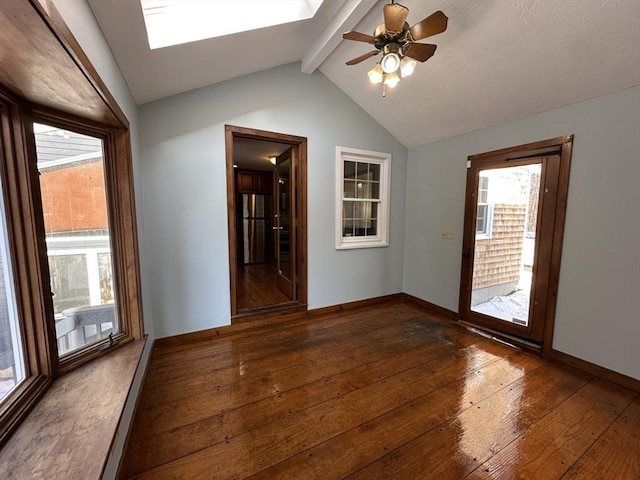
column 498, row 60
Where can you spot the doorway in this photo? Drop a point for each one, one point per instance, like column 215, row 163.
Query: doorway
column 512, row 242
column 266, row 199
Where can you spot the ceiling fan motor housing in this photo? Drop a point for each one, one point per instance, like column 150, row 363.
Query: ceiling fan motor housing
column 383, row 38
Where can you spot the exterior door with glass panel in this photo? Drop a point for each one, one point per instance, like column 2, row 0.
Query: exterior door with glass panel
column 284, row 223
column 508, row 239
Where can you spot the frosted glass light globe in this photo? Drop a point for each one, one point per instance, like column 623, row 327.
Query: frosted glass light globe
column 390, row 62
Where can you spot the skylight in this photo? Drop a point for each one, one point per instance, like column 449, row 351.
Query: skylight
column 172, row 22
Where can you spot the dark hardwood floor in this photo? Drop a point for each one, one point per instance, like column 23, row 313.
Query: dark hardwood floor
column 381, row 392
column 257, row 287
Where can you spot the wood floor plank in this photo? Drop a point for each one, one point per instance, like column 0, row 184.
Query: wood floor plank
column 219, row 371
column 257, row 286
column 217, row 428
column 223, row 371
column 267, row 445
column 219, row 397
column 457, row 447
column 296, row 323
column 383, row 391
column 616, row 454
column 198, row 416
column 558, row 440
column 221, row 427
column 208, row 374
column 352, row 450
column 301, row 337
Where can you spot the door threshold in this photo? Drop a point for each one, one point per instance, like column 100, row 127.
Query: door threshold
column 504, row 338
column 267, row 311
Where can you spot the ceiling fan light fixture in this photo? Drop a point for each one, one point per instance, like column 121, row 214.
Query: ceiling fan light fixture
column 397, row 42
column 376, row 74
column 390, row 62
column 407, row 66
column 391, row 79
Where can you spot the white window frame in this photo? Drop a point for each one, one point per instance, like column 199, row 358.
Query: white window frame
column 363, row 156
column 486, row 234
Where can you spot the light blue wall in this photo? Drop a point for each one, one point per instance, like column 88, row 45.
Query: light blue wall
column 598, row 309
column 79, row 18
column 184, row 190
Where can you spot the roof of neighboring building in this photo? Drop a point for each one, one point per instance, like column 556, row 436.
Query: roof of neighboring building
column 57, row 145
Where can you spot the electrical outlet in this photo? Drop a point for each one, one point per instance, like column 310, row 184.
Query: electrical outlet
column 448, row 234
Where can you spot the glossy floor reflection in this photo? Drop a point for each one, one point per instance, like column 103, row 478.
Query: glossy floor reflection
column 387, row 391
column 257, row 287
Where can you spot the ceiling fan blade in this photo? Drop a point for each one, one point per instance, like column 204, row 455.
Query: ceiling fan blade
column 394, row 17
column 420, row 51
column 358, row 37
column 432, row 25
column 359, row 59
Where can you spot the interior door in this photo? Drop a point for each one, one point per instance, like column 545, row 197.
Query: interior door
column 285, row 222
column 510, row 216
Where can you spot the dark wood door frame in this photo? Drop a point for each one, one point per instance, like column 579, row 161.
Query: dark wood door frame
column 554, row 202
column 300, row 224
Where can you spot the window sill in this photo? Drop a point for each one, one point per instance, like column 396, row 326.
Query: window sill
column 364, row 244
column 70, row 432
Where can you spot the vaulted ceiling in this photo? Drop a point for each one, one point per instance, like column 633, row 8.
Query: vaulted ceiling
column 498, row 60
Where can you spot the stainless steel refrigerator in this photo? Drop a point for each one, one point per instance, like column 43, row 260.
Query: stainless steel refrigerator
column 257, row 228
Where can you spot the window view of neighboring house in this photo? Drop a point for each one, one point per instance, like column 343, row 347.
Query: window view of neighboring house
column 505, row 241
column 75, row 212
column 483, row 220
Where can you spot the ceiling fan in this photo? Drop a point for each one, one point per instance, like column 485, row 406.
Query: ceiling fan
column 396, row 40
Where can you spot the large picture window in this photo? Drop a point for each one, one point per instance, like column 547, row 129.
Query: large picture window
column 362, row 200
column 68, row 241
column 69, row 281
column 76, row 221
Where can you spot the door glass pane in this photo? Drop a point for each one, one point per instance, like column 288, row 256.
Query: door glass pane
column 74, row 204
column 507, row 206
column 284, row 212
column 12, row 367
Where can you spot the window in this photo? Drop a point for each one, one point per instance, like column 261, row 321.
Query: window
column 362, row 200
column 77, row 102
column 76, row 221
column 69, row 281
column 12, row 363
column 484, row 218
